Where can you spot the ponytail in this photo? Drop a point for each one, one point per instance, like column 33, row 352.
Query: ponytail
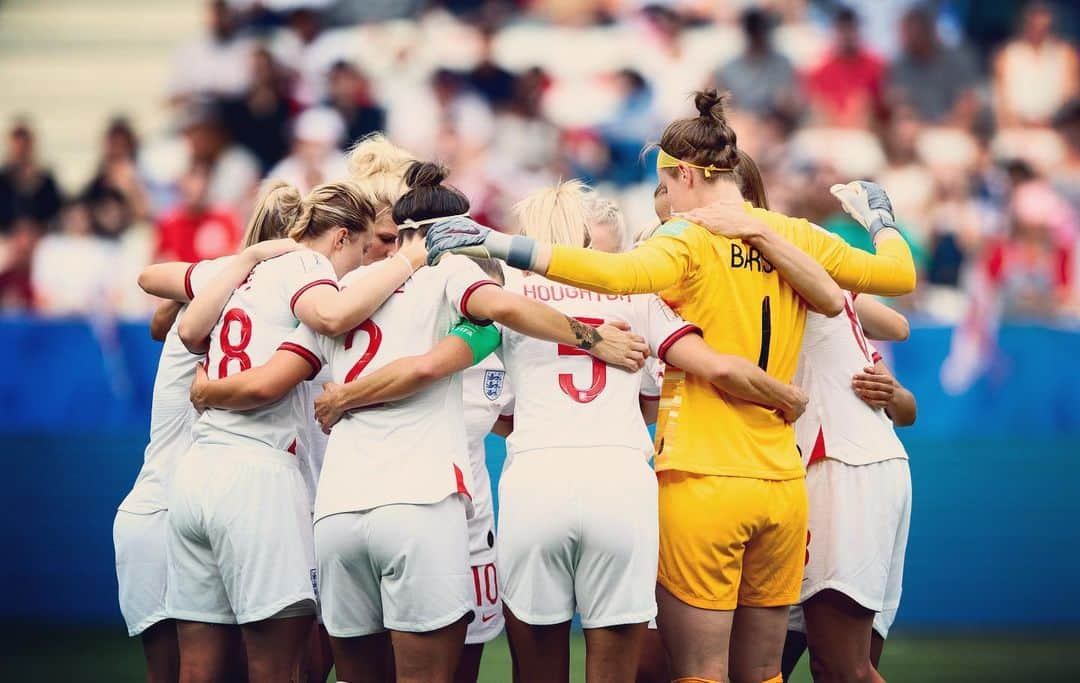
column 333, row 205
column 751, row 186
column 274, row 213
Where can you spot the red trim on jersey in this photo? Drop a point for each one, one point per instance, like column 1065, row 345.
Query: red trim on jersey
column 676, row 336
column 460, row 479
column 316, row 283
column 876, row 357
column 464, row 306
column 292, row 447
column 507, row 418
column 187, row 281
column 819, row 448
column 647, row 397
column 307, row 355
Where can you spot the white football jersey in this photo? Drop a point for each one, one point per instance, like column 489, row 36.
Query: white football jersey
column 256, row 320
column 171, row 412
column 486, row 395
column 837, row 423
column 409, row 451
column 565, row 397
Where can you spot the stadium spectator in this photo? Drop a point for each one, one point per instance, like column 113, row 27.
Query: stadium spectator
column 118, row 169
column 937, row 83
column 630, row 127
column 259, row 119
column 1035, row 73
column 492, row 82
column 316, row 157
column 216, row 64
column 847, row 87
column 196, row 229
column 1032, row 267
column 308, row 52
column 233, row 171
column 73, row 269
column 350, row 95
column 27, row 190
column 1067, row 177
column 16, row 252
column 760, row 79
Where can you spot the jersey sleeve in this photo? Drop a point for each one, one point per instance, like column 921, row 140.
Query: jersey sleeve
column 875, row 355
column 305, row 343
column 308, row 269
column 464, row 279
column 664, row 326
column 661, row 262
column 889, row 272
column 652, row 379
column 200, row 273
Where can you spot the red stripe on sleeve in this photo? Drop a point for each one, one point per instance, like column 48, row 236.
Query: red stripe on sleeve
column 876, row 357
column 819, row 448
column 187, row 281
column 676, row 336
column 460, row 480
column 306, row 354
column 464, row 306
column 299, row 292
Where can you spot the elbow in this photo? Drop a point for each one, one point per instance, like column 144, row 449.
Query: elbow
column 193, row 341
column 146, row 281
column 833, row 304
column 903, row 329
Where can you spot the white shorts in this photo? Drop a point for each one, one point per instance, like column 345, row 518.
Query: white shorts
column 141, row 567
column 578, row 530
column 858, row 531
column 399, row 567
column 240, row 539
column 883, row 621
column 487, row 603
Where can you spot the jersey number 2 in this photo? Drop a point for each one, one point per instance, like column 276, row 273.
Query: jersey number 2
column 374, row 342
column 599, row 371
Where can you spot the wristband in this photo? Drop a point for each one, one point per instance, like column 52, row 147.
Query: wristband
column 482, row 340
column 517, row 251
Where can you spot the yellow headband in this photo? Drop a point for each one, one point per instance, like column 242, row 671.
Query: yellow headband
column 665, row 160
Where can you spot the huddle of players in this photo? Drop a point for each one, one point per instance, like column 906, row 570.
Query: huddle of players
column 403, row 543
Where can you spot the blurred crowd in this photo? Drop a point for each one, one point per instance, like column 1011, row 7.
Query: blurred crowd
column 967, row 112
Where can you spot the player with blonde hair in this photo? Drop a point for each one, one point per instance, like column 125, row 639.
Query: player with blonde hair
column 139, row 531
column 732, row 501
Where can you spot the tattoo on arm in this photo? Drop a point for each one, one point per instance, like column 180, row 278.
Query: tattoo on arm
column 587, row 336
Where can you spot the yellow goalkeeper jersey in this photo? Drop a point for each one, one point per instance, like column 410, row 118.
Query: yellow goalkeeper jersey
column 744, row 308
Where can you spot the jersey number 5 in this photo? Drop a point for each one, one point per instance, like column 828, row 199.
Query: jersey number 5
column 374, row 342
column 599, row 371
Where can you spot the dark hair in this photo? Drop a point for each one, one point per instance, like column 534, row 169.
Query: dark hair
column 751, row 186
column 706, row 138
column 428, row 197
column 845, row 15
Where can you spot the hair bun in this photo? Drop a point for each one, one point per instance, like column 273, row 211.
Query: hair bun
column 425, row 174
column 710, row 104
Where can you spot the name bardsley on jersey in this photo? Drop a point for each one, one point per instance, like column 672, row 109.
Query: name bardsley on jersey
column 749, row 258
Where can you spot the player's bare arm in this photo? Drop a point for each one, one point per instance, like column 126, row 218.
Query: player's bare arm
column 163, row 319
column 166, row 280
column 805, row 275
column 252, row 388
column 650, row 409
column 393, row 382
column 332, row 313
column 878, row 388
column 880, row 322
column 612, row 342
column 737, row 377
column 206, row 308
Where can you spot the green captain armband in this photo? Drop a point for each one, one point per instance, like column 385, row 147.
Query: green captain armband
column 482, row 339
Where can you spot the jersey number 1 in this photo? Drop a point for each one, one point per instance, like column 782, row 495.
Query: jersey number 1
column 374, row 342
column 599, row 371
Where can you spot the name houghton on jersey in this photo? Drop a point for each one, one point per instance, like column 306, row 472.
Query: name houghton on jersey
column 561, row 293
